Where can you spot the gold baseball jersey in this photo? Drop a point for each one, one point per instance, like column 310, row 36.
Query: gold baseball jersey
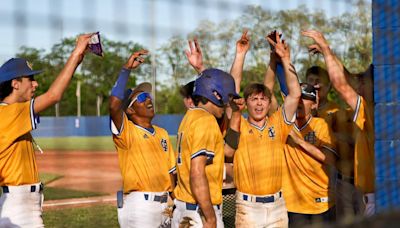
column 340, row 122
column 305, row 180
column 258, row 159
column 145, row 158
column 17, row 156
column 364, row 157
column 199, row 135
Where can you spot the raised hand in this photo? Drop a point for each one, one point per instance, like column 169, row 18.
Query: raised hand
column 281, row 48
column 243, row 44
column 135, row 59
column 195, row 56
column 236, row 104
column 321, row 45
column 82, row 42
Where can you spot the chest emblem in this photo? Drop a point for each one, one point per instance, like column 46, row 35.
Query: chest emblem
column 271, row 132
column 164, row 145
column 145, row 136
column 310, row 137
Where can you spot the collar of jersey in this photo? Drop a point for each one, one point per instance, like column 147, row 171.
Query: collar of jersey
column 198, row 108
column 304, row 126
column 145, row 129
column 257, row 127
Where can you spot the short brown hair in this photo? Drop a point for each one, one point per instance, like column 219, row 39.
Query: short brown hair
column 319, row 71
column 256, row 88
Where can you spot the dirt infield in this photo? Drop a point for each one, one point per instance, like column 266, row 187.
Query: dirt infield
column 82, row 170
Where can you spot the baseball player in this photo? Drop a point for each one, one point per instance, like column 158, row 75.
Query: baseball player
column 309, row 159
column 146, row 158
column 340, row 121
column 21, row 201
column 364, row 164
column 200, row 149
column 256, row 143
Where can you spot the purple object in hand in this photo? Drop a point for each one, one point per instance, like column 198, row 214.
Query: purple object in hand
column 95, row 44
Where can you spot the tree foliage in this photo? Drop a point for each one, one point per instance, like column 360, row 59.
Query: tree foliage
column 350, row 36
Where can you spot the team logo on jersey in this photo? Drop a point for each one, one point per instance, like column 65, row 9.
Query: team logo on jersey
column 145, row 136
column 251, row 131
column 310, row 137
column 164, row 145
column 271, row 132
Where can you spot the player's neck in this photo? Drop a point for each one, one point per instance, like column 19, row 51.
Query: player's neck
column 12, row 98
column 259, row 123
column 143, row 122
column 300, row 122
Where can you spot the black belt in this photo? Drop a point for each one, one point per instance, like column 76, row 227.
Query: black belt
column 33, row 188
column 345, row 178
column 193, row 206
column 161, row 199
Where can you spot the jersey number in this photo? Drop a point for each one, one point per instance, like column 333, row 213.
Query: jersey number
column 178, row 143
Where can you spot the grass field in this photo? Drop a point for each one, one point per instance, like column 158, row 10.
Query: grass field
column 96, row 216
column 51, row 193
column 100, row 143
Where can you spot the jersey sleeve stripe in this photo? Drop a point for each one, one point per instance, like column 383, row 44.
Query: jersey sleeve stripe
column 209, row 154
column 114, row 129
column 173, row 169
column 285, row 119
column 32, row 114
column 357, row 108
column 331, row 150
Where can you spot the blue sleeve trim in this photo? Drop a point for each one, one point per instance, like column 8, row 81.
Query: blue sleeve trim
column 357, row 108
column 209, row 154
column 285, row 119
column 32, row 114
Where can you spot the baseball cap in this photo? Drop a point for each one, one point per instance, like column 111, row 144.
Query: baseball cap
column 308, row 92
column 16, row 67
column 144, row 87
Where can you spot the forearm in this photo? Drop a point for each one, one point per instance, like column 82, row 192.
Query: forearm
column 232, row 138
column 237, row 70
column 313, row 151
column 269, row 82
column 292, row 80
column 201, row 192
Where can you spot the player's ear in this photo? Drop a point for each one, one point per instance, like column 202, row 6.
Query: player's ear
column 129, row 111
column 15, row 84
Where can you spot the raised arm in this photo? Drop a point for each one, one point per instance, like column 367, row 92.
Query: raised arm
column 335, row 68
column 195, row 56
column 269, row 78
column 232, row 136
column 117, row 92
column 294, row 93
column 60, row 84
column 242, row 46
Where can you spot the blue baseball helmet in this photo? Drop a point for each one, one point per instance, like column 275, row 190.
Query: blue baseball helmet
column 217, row 81
column 15, row 68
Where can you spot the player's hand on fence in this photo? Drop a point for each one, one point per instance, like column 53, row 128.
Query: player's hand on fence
column 81, row 45
column 195, row 56
column 243, row 44
column 282, row 49
column 321, row 45
column 236, row 104
column 135, row 59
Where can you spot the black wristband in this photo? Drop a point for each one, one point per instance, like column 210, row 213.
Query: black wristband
column 232, row 138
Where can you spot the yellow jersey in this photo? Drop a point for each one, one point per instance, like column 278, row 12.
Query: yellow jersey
column 17, row 156
column 199, row 135
column 364, row 156
column 258, row 159
column 340, row 122
column 145, row 158
column 306, row 181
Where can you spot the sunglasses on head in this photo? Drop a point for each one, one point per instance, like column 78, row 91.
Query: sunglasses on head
column 141, row 97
